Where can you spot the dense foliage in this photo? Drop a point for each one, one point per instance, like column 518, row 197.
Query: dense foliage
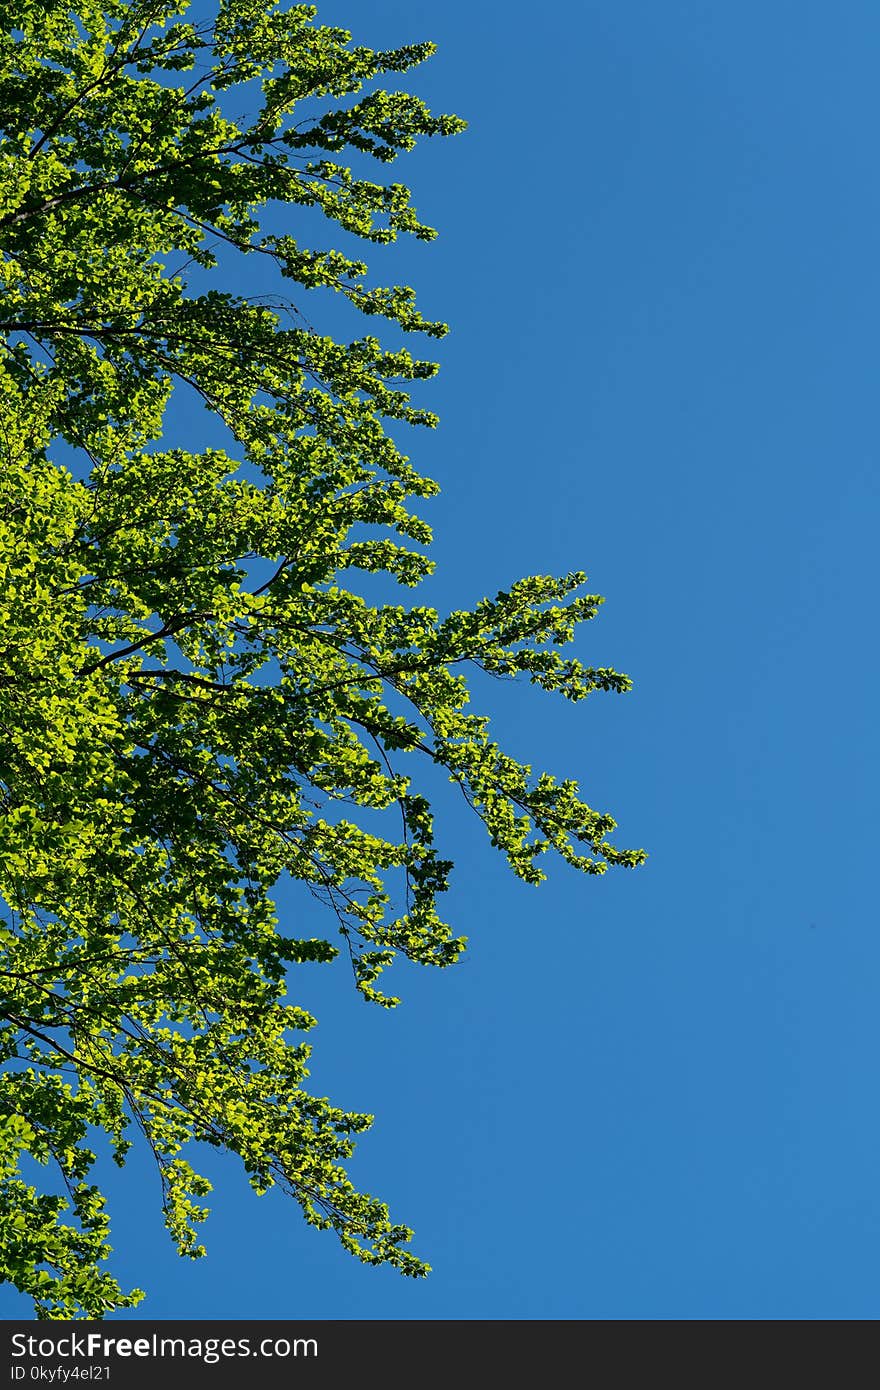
column 196, row 699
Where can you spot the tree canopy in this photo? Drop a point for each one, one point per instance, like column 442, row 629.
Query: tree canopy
column 199, row 699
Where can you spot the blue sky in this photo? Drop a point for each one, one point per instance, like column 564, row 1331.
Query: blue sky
column 650, row 1095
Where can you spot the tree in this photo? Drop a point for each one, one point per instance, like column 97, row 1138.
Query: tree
column 197, row 699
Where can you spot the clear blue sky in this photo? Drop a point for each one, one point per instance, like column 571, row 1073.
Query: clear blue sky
column 651, row 1095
